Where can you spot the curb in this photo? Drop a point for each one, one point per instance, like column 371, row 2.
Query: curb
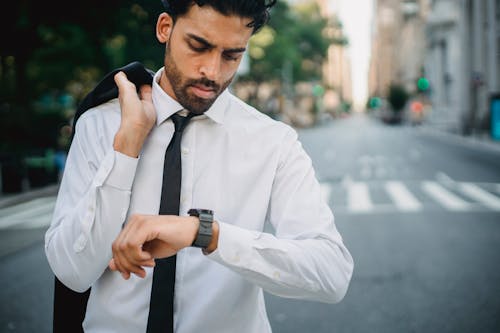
column 14, row 199
column 470, row 141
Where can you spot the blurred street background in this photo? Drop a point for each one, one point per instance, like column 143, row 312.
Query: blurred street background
column 396, row 101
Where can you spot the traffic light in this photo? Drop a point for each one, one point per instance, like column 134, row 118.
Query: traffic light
column 375, row 103
column 423, row 84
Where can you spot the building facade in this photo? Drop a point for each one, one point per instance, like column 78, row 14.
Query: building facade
column 337, row 75
column 398, row 45
column 463, row 62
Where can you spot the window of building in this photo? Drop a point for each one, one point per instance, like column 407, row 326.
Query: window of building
column 498, row 58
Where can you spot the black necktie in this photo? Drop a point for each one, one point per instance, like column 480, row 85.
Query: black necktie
column 161, row 306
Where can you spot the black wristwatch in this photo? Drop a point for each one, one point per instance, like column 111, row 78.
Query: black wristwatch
column 204, row 236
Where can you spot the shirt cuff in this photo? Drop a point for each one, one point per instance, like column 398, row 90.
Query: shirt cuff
column 233, row 245
column 122, row 174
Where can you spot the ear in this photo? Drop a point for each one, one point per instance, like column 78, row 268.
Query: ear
column 164, row 27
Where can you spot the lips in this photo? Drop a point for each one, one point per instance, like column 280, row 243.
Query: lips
column 203, row 91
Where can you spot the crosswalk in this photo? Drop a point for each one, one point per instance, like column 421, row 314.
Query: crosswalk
column 349, row 197
column 359, row 197
column 403, row 199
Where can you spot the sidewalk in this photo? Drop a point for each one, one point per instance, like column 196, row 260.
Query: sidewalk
column 9, row 199
column 477, row 141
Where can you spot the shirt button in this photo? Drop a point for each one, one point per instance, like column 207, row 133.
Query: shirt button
column 80, row 243
column 184, row 150
column 276, row 275
column 236, row 258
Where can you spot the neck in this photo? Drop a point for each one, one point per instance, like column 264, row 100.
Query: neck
column 166, row 86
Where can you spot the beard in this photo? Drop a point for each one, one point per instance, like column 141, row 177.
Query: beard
column 180, row 85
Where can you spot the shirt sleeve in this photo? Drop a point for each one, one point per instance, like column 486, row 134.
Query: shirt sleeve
column 91, row 207
column 306, row 258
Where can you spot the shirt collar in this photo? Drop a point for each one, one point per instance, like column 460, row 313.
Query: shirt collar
column 166, row 106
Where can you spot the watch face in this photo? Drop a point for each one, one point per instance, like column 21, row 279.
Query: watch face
column 198, row 211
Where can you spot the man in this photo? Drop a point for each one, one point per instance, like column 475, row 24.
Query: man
column 241, row 166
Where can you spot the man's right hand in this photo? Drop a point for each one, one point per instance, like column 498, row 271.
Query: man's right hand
column 138, row 116
column 148, row 237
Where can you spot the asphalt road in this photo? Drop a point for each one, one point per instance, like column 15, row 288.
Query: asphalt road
column 419, row 211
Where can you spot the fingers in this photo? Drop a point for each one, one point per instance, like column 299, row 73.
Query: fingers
column 126, row 95
column 126, row 267
column 128, row 259
column 121, row 263
column 138, row 112
column 113, row 265
column 124, row 85
column 128, row 254
column 145, row 92
column 146, row 237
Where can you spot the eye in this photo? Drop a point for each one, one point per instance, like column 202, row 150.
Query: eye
column 197, row 48
column 230, row 56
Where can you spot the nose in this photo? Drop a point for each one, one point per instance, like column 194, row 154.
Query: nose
column 210, row 67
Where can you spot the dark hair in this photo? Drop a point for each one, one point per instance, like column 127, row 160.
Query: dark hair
column 257, row 10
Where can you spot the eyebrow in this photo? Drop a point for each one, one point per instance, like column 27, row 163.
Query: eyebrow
column 209, row 45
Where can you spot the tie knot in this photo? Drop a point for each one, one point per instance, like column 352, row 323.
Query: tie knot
column 180, row 122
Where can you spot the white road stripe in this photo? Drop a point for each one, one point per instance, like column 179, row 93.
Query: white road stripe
column 37, row 212
column 484, row 197
column 358, row 197
column 402, row 197
column 326, row 190
column 35, row 222
column 445, row 197
column 498, row 188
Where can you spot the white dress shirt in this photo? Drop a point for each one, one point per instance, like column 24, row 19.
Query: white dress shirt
column 240, row 163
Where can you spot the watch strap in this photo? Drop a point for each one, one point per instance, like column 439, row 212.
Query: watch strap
column 205, row 231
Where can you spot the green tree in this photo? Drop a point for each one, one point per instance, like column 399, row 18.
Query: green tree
column 397, row 97
column 49, row 60
column 292, row 47
column 53, row 53
column 294, row 35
